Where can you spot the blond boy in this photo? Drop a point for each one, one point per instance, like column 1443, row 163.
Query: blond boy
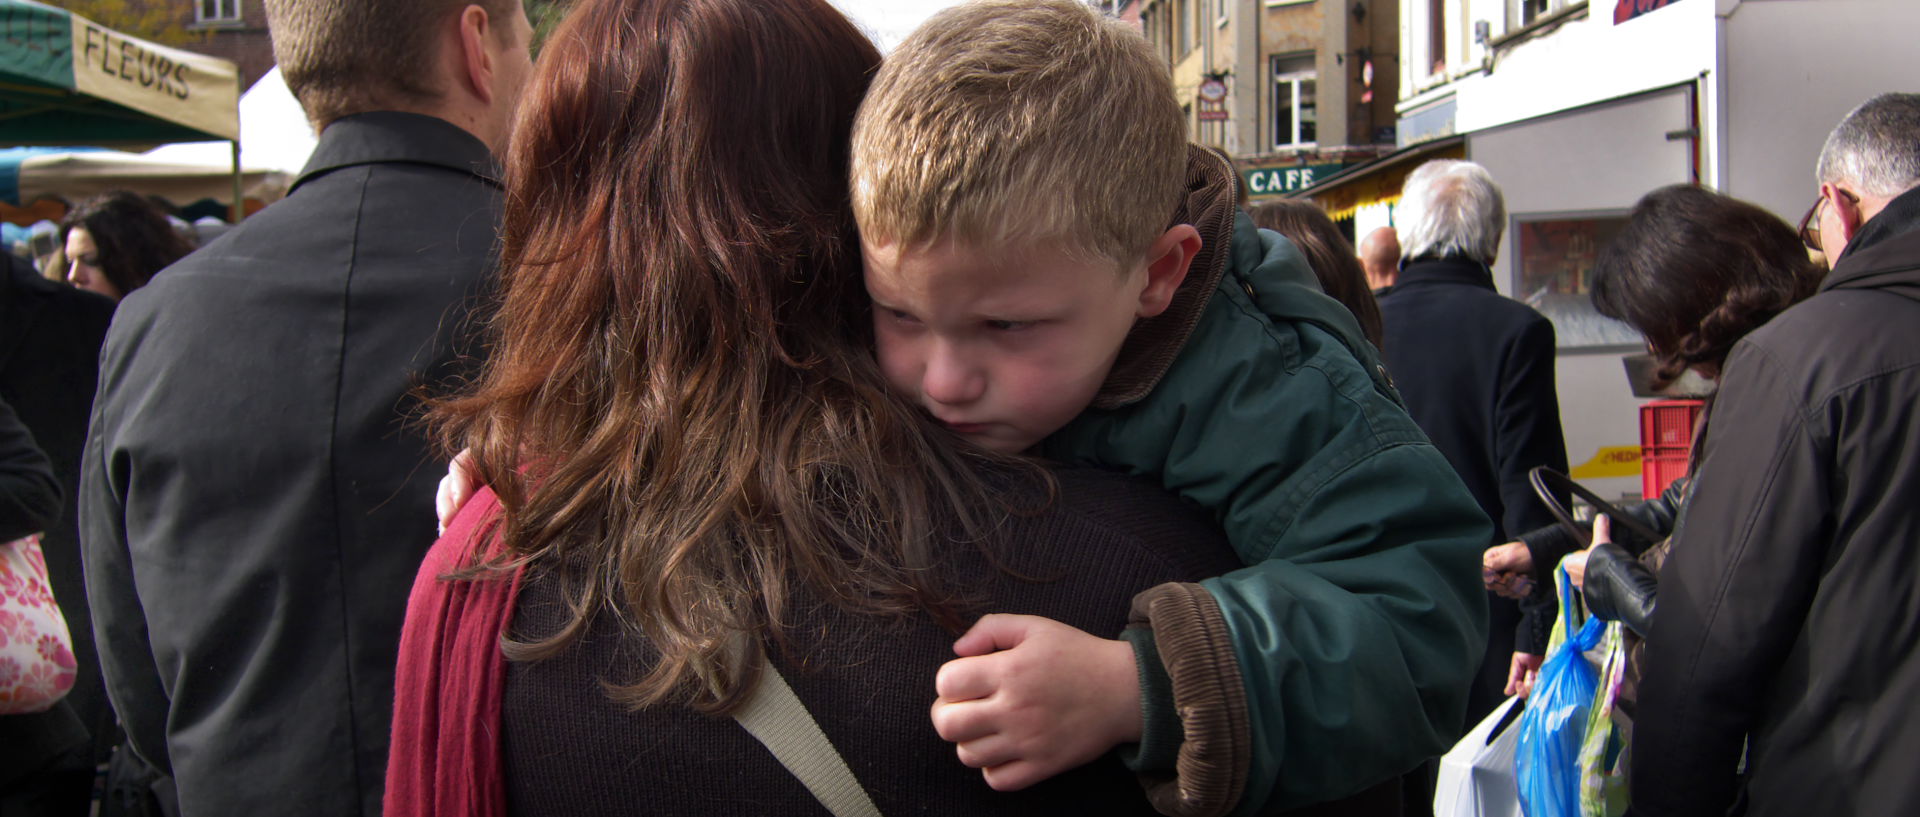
column 1055, row 271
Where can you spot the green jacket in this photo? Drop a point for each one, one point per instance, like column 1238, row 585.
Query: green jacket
column 1361, row 618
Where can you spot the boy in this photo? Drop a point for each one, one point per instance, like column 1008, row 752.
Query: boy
column 1015, row 167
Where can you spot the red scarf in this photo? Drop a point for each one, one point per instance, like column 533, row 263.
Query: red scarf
column 445, row 760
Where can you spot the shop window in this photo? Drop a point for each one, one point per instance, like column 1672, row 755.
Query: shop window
column 1437, row 36
column 1296, row 116
column 216, row 11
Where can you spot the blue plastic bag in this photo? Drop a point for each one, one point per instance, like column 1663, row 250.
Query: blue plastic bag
column 1547, row 761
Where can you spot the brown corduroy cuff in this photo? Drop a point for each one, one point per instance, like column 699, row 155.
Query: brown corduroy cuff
column 1197, row 651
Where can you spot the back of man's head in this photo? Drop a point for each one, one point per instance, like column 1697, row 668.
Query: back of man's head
column 1451, row 208
column 1380, row 256
column 1007, row 122
column 1876, row 148
column 342, row 57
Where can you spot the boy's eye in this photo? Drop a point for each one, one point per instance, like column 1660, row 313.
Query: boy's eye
column 898, row 316
column 1007, row 326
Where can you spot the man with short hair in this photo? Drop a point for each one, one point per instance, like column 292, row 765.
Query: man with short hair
column 1380, row 258
column 1475, row 369
column 1786, row 625
column 254, row 506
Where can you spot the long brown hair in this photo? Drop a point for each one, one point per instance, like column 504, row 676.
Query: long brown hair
column 1332, row 257
column 681, row 411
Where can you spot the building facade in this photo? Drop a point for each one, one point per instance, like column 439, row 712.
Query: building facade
column 1292, row 90
column 1580, row 107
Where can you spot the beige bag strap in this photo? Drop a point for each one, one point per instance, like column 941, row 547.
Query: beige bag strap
column 777, row 718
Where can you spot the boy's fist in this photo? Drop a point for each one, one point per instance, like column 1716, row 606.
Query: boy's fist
column 1030, row 698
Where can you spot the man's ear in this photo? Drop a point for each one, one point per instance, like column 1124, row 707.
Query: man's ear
column 1846, row 207
column 1168, row 260
column 476, row 59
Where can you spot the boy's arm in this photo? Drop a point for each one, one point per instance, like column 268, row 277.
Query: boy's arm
column 1361, row 621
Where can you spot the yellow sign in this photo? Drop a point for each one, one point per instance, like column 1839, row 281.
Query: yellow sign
column 195, row 90
column 1610, row 461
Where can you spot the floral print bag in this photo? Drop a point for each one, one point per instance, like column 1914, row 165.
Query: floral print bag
column 36, row 651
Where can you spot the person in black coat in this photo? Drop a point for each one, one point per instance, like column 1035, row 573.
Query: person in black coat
column 1475, row 369
column 50, row 336
column 1786, row 627
column 254, row 504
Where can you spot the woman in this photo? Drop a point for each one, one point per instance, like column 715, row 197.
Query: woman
column 701, row 475
column 115, row 242
column 1694, row 271
column 1331, row 256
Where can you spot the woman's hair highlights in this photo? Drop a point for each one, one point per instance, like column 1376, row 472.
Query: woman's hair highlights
column 681, row 410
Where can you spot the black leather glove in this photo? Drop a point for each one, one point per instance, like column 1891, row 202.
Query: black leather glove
column 1619, row 588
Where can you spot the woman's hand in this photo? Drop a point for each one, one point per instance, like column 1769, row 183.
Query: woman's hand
column 458, row 486
column 1523, row 672
column 1576, row 562
column 1508, row 570
column 1030, row 698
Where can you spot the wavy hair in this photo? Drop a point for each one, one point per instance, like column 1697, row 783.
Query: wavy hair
column 131, row 235
column 1695, row 271
column 681, row 412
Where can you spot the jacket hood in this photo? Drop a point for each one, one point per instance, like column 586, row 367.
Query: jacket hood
column 1885, row 254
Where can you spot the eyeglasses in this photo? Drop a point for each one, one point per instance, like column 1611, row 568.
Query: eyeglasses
column 1810, row 223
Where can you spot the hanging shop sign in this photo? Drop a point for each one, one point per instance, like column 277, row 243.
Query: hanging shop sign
column 1277, row 181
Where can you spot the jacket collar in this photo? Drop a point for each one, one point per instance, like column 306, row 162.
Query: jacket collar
column 1452, row 269
column 1885, row 253
column 393, row 136
column 1212, row 200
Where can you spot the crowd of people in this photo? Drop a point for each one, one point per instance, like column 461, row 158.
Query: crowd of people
column 790, row 391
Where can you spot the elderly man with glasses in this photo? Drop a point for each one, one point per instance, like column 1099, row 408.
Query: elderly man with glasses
column 1789, row 623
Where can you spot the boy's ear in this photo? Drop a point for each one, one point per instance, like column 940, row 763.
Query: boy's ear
column 1168, row 260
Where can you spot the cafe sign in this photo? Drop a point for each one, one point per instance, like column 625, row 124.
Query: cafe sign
column 1285, row 179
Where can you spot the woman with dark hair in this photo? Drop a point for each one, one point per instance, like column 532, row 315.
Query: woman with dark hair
column 115, row 242
column 1694, row 271
column 1330, row 254
column 701, row 483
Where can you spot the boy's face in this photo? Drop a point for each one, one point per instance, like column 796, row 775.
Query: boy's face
column 1007, row 347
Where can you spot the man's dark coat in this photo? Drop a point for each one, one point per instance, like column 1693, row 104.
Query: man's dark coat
column 50, row 335
column 1789, row 616
column 254, row 507
column 1476, row 371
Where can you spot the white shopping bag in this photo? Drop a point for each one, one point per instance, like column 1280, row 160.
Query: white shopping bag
column 1476, row 775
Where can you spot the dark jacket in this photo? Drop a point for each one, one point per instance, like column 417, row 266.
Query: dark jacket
column 1476, row 370
column 867, row 682
column 50, row 335
column 254, row 507
column 30, row 498
column 1358, row 620
column 1787, row 606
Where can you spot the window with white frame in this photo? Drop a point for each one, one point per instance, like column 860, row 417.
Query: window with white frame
column 1183, row 27
column 216, row 11
column 1521, row 13
column 1296, row 117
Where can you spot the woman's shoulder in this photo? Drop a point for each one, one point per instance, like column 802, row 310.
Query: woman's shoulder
column 1108, row 516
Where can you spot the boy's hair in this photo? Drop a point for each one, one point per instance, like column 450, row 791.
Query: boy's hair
column 342, row 57
column 1006, row 122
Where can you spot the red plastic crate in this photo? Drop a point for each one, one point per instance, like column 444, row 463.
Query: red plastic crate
column 1666, row 439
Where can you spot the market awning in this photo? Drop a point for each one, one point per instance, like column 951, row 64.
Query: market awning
column 1378, row 181
column 67, row 80
column 28, row 174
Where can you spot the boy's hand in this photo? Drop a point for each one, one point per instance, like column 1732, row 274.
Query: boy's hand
column 1030, row 698
column 456, row 488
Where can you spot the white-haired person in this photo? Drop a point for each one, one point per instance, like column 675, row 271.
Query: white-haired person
column 1476, row 371
column 1781, row 674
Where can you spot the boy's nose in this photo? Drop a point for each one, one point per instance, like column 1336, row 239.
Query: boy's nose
column 951, row 380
